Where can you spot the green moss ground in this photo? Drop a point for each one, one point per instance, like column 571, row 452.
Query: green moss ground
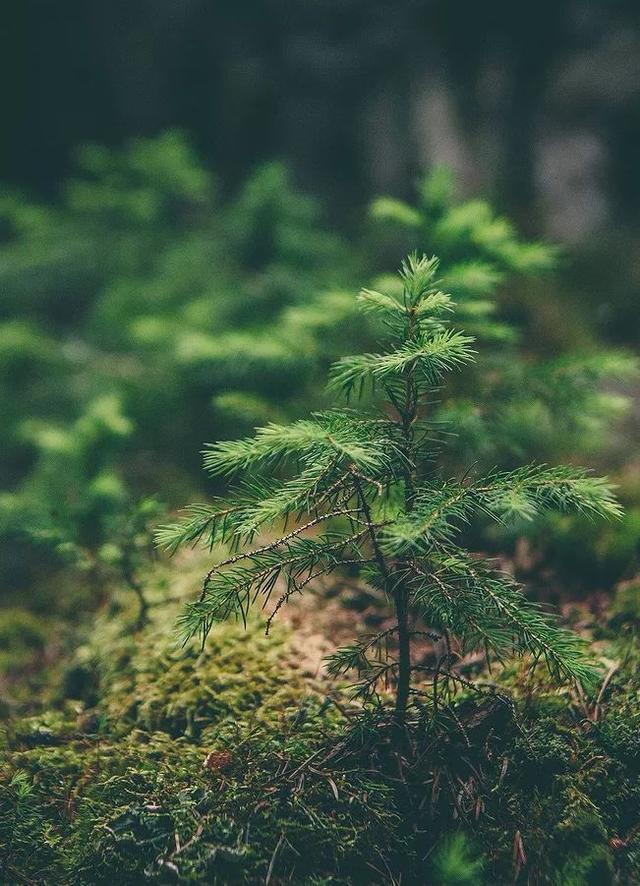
column 146, row 763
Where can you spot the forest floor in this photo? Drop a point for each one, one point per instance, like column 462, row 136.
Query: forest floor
column 127, row 759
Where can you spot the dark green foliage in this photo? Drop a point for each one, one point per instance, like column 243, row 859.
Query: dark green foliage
column 585, row 555
column 361, row 492
column 135, row 318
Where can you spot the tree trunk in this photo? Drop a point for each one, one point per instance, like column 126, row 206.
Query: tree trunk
column 404, row 657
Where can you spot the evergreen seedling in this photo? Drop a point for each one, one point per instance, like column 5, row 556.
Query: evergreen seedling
column 520, row 401
column 358, row 491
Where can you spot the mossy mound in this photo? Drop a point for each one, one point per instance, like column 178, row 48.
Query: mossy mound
column 233, row 766
column 148, row 806
column 168, row 764
column 31, row 647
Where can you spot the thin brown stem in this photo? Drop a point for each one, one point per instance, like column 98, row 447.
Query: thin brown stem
column 404, row 656
column 400, row 597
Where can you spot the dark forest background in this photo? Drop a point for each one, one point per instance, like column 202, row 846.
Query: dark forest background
column 537, row 103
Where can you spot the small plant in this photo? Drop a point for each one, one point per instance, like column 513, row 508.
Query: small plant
column 532, row 393
column 454, row 863
column 130, row 548
column 359, row 491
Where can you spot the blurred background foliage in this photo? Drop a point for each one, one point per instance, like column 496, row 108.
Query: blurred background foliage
column 143, row 314
column 198, row 189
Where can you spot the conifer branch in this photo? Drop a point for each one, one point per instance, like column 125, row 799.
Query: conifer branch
column 405, row 522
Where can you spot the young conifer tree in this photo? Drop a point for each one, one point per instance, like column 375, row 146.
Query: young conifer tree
column 518, row 401
column 358, row 490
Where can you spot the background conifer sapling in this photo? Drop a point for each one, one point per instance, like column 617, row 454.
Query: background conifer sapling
column 359, row 490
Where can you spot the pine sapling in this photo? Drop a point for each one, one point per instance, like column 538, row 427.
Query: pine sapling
column 515, row 404
column 360, row 491
column 123, row 559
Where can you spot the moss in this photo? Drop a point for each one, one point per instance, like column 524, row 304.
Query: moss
column 23, row 638
column 174, row 765
column 143, row 679
column 94, row 810
column 625, row 611
column 168, row 763
column 31, row 650
column 573, row 792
